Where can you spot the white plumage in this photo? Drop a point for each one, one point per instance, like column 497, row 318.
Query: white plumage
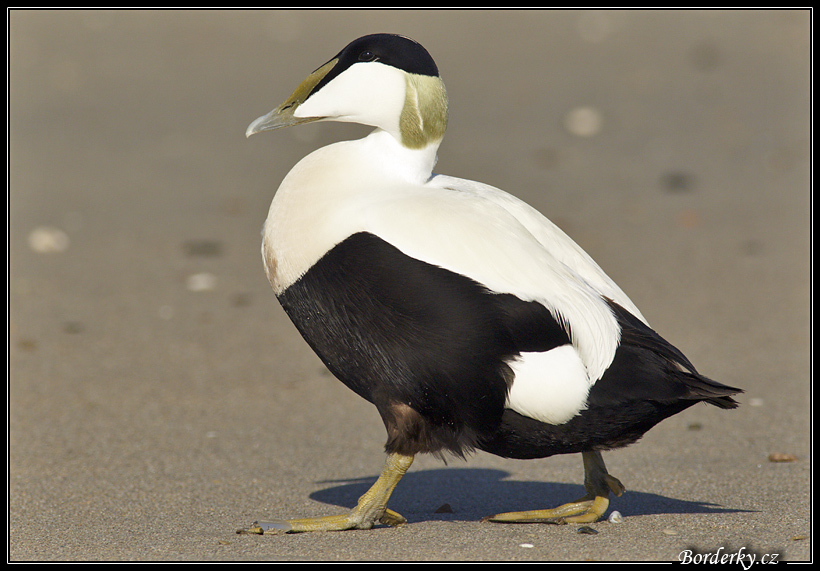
column 551, row 386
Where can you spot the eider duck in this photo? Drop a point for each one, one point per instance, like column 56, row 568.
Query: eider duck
column 463, row 314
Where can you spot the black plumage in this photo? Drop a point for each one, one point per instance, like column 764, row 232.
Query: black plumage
column 399, row 331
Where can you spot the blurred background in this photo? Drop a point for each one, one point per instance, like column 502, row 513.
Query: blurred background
column 156, row 386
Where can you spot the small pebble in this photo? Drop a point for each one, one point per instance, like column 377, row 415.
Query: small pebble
column 47, row 240
column 615, row 517
column 444, row 509
column 526, row 545
column 241, row 300
column 27, row 344
column 72, row 327
column 586, row 530
column 782, row 457
column 669, row 532
column 677, row 181
column 202, row 248
column 201, row 282
column 583, row 121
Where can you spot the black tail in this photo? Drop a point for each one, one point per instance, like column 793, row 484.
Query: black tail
column 689, row 385
column 707, row 390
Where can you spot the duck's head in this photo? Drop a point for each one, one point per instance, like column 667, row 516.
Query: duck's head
column 383, row 80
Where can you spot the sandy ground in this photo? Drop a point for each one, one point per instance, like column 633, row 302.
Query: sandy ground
column 159, row 398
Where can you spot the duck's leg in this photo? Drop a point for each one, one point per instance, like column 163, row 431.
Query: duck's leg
column 372, row 507
column 587, row 509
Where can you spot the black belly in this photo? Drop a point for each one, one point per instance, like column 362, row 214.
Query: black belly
column 429, row 347
column 400, row 331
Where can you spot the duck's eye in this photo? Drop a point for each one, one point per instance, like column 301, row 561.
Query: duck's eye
column 367, row 55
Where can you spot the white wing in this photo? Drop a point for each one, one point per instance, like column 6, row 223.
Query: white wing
column 500, row 242
column 562, row 247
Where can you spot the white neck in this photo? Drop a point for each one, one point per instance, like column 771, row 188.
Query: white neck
column 384, row 152
column 320, row 202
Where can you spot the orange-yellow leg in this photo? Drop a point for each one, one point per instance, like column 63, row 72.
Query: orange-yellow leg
column 371, row 508
column 591, row 507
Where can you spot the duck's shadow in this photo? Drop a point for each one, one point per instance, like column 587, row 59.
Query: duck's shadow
column 468, row 494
